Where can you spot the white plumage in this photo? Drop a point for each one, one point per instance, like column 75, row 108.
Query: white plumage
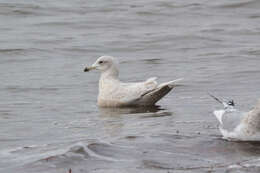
column 114, row 93
column 239, row 126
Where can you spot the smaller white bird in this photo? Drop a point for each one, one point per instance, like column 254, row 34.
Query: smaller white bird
column 114, row 93
column 238, row 126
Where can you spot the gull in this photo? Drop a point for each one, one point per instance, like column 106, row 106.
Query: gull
column 114, row 93
column 235, row 125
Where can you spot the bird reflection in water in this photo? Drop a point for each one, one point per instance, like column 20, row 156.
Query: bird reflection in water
column 115, row 119
column 129, row 110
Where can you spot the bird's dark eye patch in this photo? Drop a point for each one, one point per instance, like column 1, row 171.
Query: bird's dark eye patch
column 101, row 62
column 231, row 103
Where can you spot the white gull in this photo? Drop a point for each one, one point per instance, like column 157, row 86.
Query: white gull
column 114, row 93
column 239, row 126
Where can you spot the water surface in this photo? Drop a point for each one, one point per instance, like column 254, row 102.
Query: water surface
column 49, row 121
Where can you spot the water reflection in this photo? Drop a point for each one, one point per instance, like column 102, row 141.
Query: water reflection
column 129, row 110
column 124, row 120
column 247, row 148
column 229, row 151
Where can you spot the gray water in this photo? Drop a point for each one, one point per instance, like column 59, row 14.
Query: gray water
column 49, row 120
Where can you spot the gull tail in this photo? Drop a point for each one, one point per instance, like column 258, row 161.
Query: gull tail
column 153, row 96
column 171, row 84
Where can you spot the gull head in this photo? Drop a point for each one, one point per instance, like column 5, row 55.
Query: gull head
column 103, row 64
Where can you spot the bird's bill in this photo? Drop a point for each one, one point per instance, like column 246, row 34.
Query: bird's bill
column 215, row 98
column 89, row 68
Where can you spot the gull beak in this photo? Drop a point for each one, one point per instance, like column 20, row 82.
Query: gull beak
column 89, row 68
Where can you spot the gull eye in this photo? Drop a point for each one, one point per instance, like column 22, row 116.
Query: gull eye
column 101, row 62
column 231, row 103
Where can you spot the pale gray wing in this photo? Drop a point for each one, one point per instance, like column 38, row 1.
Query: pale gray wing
column 136, row 99
column 148, row 97
column 231, row 119
column 131, row 93
column 152, row 96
